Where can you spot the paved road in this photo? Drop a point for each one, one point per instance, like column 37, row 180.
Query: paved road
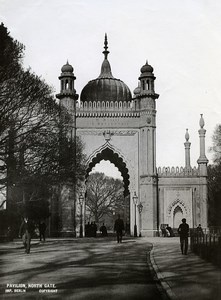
column 80, row 270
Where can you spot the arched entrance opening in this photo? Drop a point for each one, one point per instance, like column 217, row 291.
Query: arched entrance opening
column 112, row 160
column 177, row 216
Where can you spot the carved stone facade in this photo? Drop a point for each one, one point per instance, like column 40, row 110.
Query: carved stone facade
column 124, row 132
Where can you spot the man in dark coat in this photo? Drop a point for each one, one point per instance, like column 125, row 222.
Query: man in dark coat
column 25, row 232
column 94, row 229
column 103, row 230
column 183, row 231
column 42, row 229
column 119, row 227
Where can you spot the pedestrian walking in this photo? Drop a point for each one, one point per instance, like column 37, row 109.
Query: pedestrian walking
column 94, row 229
column 183, row 231
column 87, row 229
column 199, row 230
column 25, row 233
column 103, row 230
column 42, row 229
column 119, row 227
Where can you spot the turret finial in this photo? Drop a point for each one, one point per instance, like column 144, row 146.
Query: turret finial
column 202, row 123
column 106, row 52
column 187, row 136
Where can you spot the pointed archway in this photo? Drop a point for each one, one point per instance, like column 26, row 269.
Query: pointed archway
column 111, row 155
column 108, row 154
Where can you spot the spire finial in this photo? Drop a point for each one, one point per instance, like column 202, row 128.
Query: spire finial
column 106, row 52
column 187, row 136
column 202, row 123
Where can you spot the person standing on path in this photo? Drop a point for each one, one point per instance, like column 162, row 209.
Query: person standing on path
column 103, row 230
column 183, row 231
column 119, row 227
column 25, row 232
column 42, row 229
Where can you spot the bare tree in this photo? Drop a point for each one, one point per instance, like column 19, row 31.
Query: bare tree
column 32, row 132
column 104, row 195
column 216, row 144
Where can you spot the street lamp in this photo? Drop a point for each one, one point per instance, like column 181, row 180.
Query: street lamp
column 135, row 199
column 140, row 208
column 81, row 200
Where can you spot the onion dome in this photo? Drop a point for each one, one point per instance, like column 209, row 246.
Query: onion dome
column 137, row 90
column 146, row 71
column 146, row 68
column 67, row 68
column 106, row 87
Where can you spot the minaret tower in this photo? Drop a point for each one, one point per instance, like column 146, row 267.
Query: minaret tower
column 145, row 97
column 202, row 163
column 67, row 201
column 67, row 95
column 187, row 151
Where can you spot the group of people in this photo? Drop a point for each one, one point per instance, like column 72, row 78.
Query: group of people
column 91, row 229
column 26, row 230
column 167, row 231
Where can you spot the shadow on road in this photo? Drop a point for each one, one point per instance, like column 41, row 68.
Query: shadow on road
column 84, row 269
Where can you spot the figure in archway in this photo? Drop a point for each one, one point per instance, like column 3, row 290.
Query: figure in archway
column 119, row 227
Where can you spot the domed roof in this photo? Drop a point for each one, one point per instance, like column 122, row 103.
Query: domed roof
column 137, row 90
column 146, row 68
column 106, row 87
column 67, row 68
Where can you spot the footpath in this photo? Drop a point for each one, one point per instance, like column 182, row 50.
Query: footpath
column 184, row 276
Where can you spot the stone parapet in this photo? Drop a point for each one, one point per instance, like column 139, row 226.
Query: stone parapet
column 107, row 106
column 110, row 114
column 177, row 171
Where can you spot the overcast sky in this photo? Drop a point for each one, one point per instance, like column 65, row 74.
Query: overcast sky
column 180, row 39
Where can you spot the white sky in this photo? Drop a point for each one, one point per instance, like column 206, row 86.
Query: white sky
column 180, row 39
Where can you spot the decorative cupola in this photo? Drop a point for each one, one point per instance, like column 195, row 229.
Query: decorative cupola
column 105, row 87
column 146, row 84
column 137, row 90
column 147, row 78
column 67, row 79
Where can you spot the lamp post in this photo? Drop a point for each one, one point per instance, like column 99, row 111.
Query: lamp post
column 81, row 200
column 135, row 199
column 140, row 208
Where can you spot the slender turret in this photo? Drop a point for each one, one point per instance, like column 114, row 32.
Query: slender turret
column 202, row 161
column 187, row 151
column 68, row 99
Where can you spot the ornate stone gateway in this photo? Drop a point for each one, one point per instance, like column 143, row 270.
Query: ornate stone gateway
column 122, row 129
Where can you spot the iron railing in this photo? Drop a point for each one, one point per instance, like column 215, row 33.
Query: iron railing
column 207, row 246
